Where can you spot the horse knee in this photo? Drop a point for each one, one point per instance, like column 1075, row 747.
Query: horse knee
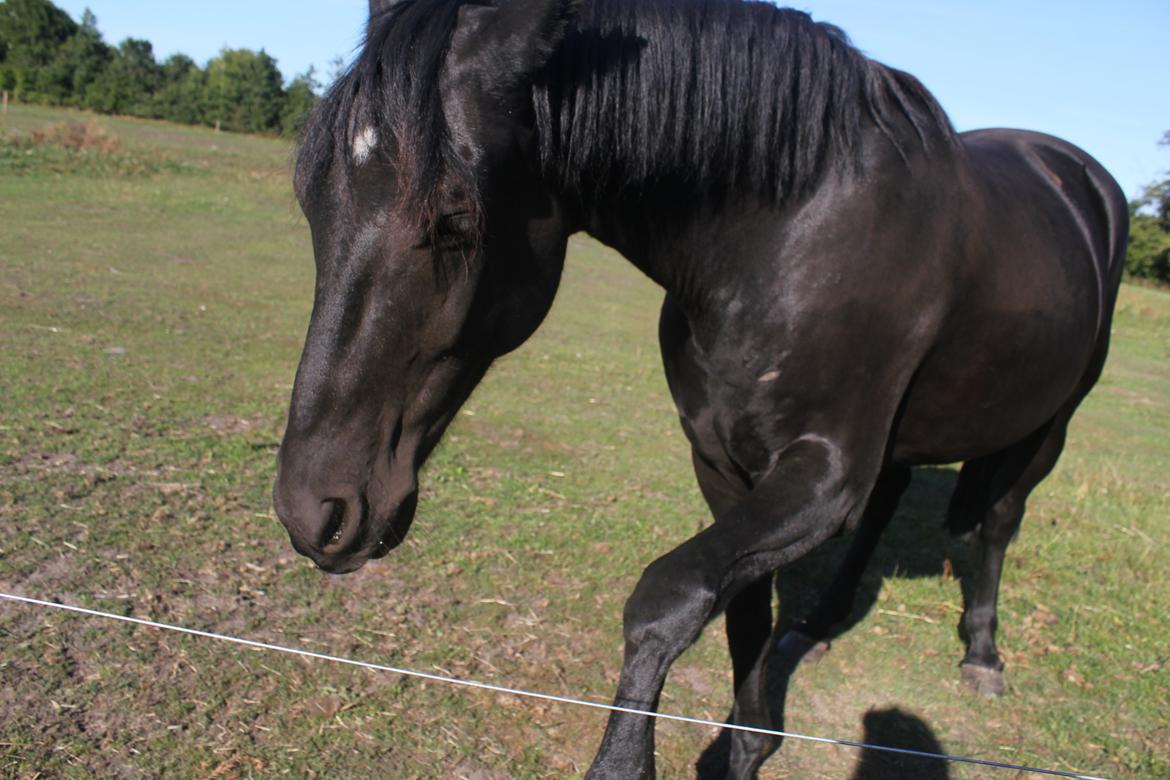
column 669, row 606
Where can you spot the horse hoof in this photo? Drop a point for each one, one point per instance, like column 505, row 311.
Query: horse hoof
column 816, row 652
column 795, row 647
column 984, row 681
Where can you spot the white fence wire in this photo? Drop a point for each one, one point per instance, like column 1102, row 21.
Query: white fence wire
column 532, row 694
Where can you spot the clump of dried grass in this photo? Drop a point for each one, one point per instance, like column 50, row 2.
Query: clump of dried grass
column 87, row 136
column 85, row 148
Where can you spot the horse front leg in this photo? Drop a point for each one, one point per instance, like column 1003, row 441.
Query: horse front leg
column 814, row 488
column 753, row 706
column 749, row 613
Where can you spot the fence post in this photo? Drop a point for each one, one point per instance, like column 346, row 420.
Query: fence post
column 4, row 101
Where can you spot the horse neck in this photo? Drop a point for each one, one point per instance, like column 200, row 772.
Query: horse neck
column 667, row 235
column 698, row 246
column 670, row 130
column 657, row 131
column 697, row 243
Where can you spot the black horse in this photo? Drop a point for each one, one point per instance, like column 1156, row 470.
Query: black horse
column 852, row 289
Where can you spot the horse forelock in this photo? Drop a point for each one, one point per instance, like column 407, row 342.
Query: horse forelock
column 388, row 102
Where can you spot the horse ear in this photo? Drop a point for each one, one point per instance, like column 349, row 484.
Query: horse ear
column 512, row 39
column 378, row 6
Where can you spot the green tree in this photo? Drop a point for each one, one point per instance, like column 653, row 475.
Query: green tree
column 299, row 99
column 77, row 64
column 46, row 56
column 127, row 85
column 1148, row 256
column 31, row 32
column 244, row 92
column 180, row 98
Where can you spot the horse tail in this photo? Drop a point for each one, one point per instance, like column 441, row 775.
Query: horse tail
column 1115, row 209
column 1113, row 213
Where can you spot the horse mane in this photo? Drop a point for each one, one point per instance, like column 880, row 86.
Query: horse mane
column 718, row 95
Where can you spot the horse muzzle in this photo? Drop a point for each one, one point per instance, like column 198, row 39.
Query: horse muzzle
column 341, row 532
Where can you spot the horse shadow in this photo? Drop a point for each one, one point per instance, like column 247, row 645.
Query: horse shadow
column 915, row 544
column 898, row 729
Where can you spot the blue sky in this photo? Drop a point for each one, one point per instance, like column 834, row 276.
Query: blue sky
column 1096, row 73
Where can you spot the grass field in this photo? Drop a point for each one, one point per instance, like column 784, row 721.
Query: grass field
column 152, row 305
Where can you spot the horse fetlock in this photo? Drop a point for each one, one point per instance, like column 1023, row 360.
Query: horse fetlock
column 748, row 753
column 627, row 749
column 981, row 623
column 618, row 773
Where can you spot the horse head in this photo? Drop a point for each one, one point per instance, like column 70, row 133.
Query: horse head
column 438, row 248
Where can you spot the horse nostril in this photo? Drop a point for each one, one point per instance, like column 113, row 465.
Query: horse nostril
column 331, row 531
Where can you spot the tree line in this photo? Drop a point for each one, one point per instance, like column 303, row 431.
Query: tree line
column 1149, row 231
column 47, row 57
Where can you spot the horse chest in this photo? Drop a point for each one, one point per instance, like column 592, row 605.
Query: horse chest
column 729, row 412
column 726, row 435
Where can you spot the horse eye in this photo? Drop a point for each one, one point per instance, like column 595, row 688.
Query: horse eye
column 457, row 223
column 453, row 231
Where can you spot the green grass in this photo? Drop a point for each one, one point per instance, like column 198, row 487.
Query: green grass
column 151, row 318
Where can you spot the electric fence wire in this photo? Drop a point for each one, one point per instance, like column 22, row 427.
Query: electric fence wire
column 532, row 694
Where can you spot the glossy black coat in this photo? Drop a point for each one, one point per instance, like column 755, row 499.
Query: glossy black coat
column 892, row 295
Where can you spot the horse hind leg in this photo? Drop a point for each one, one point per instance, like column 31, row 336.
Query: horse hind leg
column 966, row 509
column 989, row 502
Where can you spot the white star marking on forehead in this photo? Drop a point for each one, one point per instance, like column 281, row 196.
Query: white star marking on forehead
column 363, row 144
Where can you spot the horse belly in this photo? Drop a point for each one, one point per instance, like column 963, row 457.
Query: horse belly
column 992, row 387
